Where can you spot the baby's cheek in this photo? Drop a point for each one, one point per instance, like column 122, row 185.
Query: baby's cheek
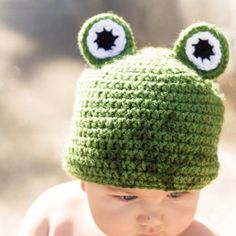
column 112, row 221
column 177, row 218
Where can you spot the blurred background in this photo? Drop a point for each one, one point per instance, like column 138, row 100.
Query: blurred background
column 39, row 66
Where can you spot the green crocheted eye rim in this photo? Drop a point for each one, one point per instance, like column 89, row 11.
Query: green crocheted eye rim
column 105, row 37
column 204, row 48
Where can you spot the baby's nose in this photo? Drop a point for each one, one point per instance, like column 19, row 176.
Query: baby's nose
column 152, row 218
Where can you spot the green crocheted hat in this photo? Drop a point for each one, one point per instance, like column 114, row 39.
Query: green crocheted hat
column 151, row 117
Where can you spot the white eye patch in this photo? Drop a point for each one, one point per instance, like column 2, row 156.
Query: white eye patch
column 203, row 50
column 106, row 39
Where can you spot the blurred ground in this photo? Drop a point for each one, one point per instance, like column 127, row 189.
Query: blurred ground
column 37, row 84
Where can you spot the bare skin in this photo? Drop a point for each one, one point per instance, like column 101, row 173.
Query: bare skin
column 72, row 209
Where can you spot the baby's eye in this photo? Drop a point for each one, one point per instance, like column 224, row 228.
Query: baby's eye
column 176, row 194
column 127, row 198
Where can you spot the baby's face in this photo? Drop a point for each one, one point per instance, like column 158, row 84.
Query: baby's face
column 140, row 212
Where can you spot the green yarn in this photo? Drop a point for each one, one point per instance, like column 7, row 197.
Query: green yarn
column 146, row 120
column 82, row 39
column 202, row 27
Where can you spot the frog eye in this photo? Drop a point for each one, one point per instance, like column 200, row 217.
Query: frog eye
column 105, row 37
column 204, row 48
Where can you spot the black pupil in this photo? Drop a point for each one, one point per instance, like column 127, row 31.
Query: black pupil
column 105, row 39
column 203, row 49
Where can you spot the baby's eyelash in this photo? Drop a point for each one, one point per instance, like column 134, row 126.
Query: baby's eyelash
column 176, row 194
column 126, row 198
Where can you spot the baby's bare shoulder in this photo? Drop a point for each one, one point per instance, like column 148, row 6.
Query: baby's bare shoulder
column 64, row 195
column 58, row 198
column 55, row 206
column 197, row 228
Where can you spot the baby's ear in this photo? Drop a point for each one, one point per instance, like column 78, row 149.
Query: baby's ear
column 82, row 185
column 204, row 48
column 105, row 37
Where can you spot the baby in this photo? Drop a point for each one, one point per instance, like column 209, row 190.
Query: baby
column 145, row 135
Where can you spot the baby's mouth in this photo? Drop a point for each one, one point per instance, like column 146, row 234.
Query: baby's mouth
column 152, row 234
column 156, row 233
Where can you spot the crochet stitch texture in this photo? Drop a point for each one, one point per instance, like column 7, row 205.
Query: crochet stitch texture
column 146, row 120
